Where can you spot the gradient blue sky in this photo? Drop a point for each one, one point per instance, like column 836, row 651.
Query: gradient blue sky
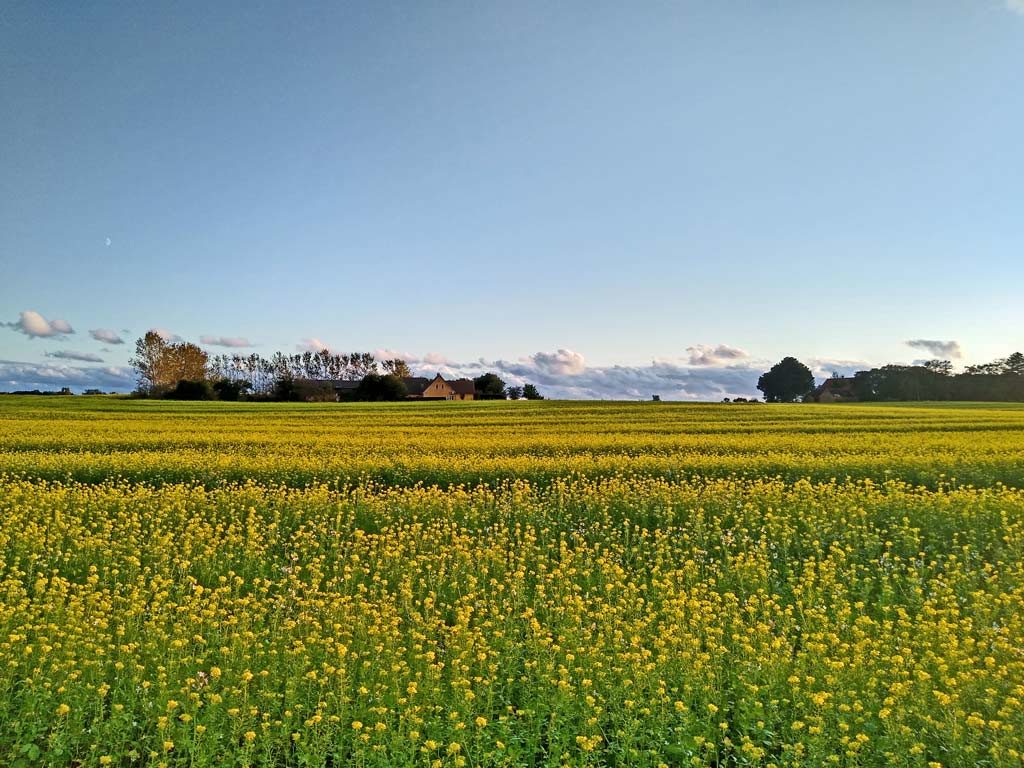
column 492, row 180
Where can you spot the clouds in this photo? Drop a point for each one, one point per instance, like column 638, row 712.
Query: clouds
column 19, row 375
column 723, row 354
column 85, row 357
column 311, row 345
column 565, row 374
column 168, row 336
column 562, row 362
column 386, row 353
column 225, row 341
column 434, row 358
column 948, row 350
column 429, row 359
column 35, row 326
column 1017, row 6
column 106, row 335
column 824, row 367
column 669, row 380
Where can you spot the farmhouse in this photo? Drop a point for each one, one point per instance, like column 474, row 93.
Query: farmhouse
column 838, row 389
column 439, row 388
column 417, row 388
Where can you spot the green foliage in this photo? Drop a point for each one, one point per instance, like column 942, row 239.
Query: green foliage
column 397, row 368
column 377, row 387
column 1000, row 380
column 788, row 381
column 229, row 390
column 489, row 386
column 530, row 392
column 192, row 390
column 159, row 365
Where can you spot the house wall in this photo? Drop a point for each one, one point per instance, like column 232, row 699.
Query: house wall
column 439, row 388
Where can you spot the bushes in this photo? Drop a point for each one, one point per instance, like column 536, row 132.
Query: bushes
column 230, row 390
column 377, row 388
column 188, row 389
column 201, row 389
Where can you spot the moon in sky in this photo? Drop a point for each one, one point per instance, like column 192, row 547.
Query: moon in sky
column 108, row 242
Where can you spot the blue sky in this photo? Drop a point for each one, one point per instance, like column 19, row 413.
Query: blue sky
column 470, row 183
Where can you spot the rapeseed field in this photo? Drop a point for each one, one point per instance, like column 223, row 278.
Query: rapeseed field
column 510, row 584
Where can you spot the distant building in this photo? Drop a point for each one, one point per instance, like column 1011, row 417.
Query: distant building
column 439, row 388
column 838, row 389
column 417, row 388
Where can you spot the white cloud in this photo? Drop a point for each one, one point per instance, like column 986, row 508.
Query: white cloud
column 1017, row 6
column 949, row 350
column 85, row 357
column 18, row 375
column 386, row 353
column 564, row 374
column 168, row 336
column 430, row 359
column 722, row 354
column 311, row 345
column 106, row 335
column 435, row 358
column 35, row 326
column 225, row 341
column 823, row 367
column 562, row 362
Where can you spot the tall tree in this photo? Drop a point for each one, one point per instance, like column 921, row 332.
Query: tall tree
column 1014, row 364
column 188, row 362
column 378, row 388
column 530, row 392
column 943, row 367
column 787, row 381
column 150, row 362
column 159, row 365
column 397, row 368
column 489, row 385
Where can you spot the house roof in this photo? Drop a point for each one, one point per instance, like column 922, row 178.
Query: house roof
column 840, row 382
column 463, row 386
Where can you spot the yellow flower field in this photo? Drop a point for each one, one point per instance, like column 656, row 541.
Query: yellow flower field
column 510, row 584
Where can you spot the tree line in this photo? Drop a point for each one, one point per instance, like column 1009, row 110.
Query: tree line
column 1001, row 380
column 182, row 370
